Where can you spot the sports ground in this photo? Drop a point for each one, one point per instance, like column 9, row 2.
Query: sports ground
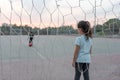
column 50, row 58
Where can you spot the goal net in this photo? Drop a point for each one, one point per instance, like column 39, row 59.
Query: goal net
column 54, row 25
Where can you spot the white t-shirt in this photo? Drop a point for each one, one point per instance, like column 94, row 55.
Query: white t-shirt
column 84, row 52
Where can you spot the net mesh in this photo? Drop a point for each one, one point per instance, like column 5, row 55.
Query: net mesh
column 50, row 57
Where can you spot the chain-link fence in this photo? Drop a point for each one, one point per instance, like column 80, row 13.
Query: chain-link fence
column 59, row 16
column 50, row 57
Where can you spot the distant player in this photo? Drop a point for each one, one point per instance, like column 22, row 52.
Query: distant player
column 31, row 36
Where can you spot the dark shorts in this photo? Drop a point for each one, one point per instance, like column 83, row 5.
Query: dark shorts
column 81, row 68
column 30, row 39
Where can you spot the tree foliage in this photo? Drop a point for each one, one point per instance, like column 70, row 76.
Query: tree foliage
column 24, row 30
column 112, row 26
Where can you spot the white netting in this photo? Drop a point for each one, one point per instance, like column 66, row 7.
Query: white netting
column 50, row 57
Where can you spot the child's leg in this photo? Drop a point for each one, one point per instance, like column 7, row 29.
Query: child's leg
column 77, row 72
column 86, row 71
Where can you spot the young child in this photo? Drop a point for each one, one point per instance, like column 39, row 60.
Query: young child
column 83, row 46
column 31, row 35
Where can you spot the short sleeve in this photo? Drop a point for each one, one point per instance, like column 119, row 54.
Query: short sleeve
column 77, row 41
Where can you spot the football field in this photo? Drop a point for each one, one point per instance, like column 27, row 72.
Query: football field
column 50, row 58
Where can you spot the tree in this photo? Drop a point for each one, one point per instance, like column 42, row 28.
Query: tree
column 113, row 25
column 99, row 28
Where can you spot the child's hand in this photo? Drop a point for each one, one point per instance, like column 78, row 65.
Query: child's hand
column 73, row 63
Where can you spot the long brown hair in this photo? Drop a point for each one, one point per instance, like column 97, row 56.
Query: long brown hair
column 85, row 25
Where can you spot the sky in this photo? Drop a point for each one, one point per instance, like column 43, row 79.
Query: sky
column 44, row 13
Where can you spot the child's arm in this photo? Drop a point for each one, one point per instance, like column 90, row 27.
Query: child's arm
column 76, row 51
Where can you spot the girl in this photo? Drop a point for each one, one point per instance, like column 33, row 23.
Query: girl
column 83, row 46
